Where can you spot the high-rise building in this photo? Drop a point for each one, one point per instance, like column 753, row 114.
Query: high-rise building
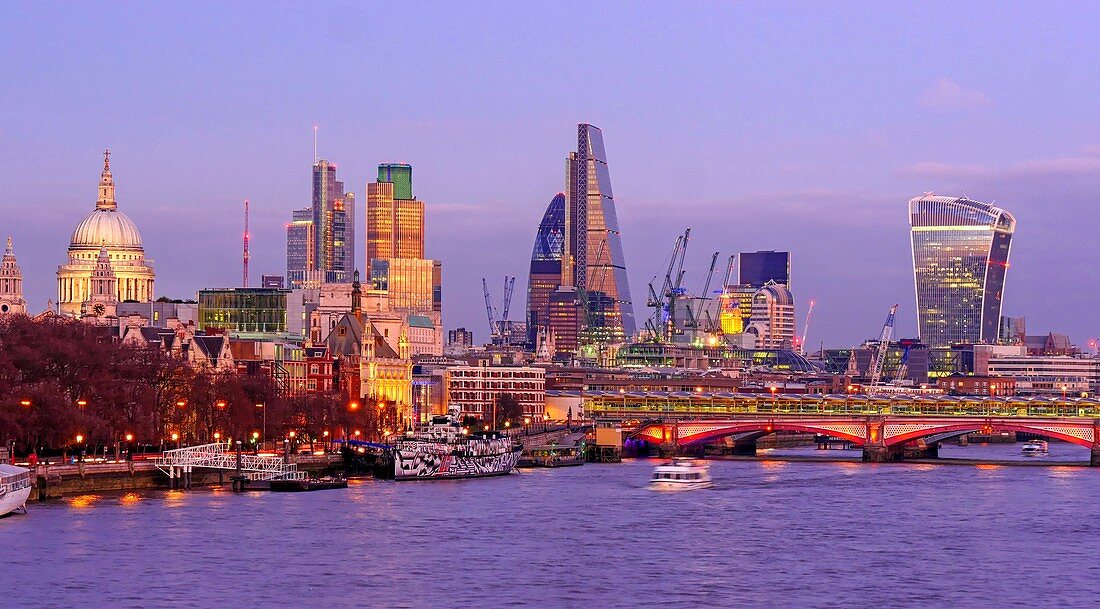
column 771, row 320
column 320, row 239
column 395, row 227
column 395, row 243
column 299, row 248
column 960, row 258
column 11, row 284
column 758, row 268
column 545, row 275
column 593, row 261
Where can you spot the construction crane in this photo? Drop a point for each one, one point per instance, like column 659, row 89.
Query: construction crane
column 499, row 329
column 246, row 256
column 489, row 307
column 883, row 345
column 509, row 284
column 805, row 330
column 663, row 323
column 693, row 317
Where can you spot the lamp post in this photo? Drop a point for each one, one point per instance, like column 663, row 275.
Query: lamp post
column 263, row 407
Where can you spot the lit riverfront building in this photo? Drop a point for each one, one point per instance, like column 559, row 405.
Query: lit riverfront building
column 105, row 250
column 960, row 257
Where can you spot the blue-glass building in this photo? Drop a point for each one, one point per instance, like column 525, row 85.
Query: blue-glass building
column 546, row 257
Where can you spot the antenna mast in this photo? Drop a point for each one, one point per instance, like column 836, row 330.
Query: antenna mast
column 246, row 237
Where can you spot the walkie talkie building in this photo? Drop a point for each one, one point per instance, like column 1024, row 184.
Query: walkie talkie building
column 960, row 258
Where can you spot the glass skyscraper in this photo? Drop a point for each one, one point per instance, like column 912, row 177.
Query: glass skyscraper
column 594, row 262
column 321, row 238
column 758, row 268
column 960, row 257
column 545, row 276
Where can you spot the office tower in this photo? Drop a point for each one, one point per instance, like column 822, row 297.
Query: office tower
column 960, row 257
column 460, row 337
column 593, row 261
column 545, row 275
column 771, row 319
column 758, row 268
column 299, row 248
column 333, row 224
column 320, row 239
column 395, row 227
column 565, row 311
column 395, row 243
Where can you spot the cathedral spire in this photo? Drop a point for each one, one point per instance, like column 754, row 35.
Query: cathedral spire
column 106, row 185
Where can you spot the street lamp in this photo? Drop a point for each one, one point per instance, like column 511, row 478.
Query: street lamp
column 176, row 439
column 264, row 407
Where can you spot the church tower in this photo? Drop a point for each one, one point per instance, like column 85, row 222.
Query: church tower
column 104, row 286
column 11, row 285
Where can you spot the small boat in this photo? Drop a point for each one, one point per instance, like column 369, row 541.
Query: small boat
column 552, row 456
column 681, row 474
column 1036, row 448
column 15, row 488
column 311, row 484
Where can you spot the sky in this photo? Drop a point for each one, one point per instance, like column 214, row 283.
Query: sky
column 802, row 126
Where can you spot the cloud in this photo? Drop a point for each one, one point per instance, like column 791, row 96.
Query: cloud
column 950, row 95
column 1063, row 167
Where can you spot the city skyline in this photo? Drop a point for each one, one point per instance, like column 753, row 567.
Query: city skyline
column 963, row 124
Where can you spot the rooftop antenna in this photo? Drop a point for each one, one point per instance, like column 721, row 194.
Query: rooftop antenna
column 315, row 144
column 246, row 237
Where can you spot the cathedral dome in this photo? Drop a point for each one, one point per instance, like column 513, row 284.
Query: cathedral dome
column 103, row 227
column 106, row 226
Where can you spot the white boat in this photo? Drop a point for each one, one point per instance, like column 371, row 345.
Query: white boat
column 1036, row 448
column 15, row 487
column 681, row 474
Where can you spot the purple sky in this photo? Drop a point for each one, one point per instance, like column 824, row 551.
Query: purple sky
column 801, row 126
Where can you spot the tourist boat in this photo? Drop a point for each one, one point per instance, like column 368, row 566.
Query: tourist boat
column 681, row 474
column 15, row 488
column 552, row 456
column 1036, row 448
column 443, row 450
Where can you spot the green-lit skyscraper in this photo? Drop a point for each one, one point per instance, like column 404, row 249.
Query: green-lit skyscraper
column 960, row 258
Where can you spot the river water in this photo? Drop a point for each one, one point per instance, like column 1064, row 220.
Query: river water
column 771, row 534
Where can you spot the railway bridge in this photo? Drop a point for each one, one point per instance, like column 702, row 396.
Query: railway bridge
column 884, row 425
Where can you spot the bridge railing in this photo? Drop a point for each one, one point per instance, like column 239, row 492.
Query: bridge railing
column 780, row 404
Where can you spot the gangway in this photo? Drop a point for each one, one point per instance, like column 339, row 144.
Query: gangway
column 179, row 461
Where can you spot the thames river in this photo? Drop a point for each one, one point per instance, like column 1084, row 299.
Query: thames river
column 771, row 534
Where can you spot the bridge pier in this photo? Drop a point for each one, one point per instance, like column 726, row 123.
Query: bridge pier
column 744, row 448
column 880, row 453
column 1094, row 458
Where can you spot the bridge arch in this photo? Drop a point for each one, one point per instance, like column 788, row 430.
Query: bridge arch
column 968, row 427
column 756, row 429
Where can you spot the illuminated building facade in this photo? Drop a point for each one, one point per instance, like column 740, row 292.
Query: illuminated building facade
column 110, row 233
column 545, row 274
column 243, row 310
column 299, row 248
column 395, row 227
column 960, row 258
column 408, row 281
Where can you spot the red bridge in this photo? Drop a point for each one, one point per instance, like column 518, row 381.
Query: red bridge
column 883, row 425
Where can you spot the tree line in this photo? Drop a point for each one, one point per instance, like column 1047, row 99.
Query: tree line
column 68, row 385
